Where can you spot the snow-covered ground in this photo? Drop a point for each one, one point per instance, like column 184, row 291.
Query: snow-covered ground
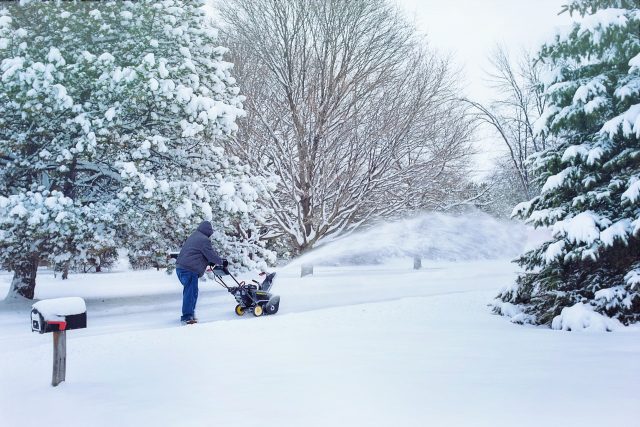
column 382, row 345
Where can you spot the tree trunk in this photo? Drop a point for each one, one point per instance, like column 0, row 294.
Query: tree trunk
column 65, row 272
column 24, row 279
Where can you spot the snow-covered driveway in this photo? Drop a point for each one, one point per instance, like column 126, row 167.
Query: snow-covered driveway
column 351, row 346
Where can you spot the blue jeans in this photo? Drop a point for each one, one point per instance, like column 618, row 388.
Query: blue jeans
column 189, row 282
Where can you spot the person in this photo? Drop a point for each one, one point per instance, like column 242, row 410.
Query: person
column 194, row 257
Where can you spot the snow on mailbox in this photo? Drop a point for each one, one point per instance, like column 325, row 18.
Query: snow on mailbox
column 58, row 316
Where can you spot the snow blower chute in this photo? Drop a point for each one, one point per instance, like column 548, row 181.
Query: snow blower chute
column 254, row 297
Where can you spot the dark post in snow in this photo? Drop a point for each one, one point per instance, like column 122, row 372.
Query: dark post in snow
column 417, row 262
column 57, row 316
column 59, row 357
column 306, row 270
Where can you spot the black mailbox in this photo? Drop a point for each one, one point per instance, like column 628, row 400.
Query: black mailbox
column 60, row 314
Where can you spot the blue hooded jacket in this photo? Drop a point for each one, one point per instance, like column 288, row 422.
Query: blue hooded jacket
column 197, row 252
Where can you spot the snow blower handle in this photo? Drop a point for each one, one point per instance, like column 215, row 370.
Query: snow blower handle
column 220, row 270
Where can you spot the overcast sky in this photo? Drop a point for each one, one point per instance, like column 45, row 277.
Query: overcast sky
column 470, row 29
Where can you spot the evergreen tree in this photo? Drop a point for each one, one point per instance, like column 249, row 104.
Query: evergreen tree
column 591, row 181
column 112, row 116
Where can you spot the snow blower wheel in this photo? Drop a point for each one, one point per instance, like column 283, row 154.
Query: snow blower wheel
column 257, row 310
column 239, row 310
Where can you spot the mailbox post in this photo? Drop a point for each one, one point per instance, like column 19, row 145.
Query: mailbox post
column 59, row 357
column 58, row 316
column 417, row 262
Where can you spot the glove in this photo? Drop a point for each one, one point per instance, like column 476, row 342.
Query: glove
column 225, row 263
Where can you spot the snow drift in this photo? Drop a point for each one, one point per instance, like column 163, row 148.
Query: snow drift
column 582, row 317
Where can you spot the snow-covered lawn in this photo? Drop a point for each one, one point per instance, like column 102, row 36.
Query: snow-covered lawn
column 380, row 345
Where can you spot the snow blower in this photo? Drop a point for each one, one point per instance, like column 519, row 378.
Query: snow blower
column 250, row 297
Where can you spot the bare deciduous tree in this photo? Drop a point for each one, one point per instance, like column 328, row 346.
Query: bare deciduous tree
column 518, row 104
column 348, row 108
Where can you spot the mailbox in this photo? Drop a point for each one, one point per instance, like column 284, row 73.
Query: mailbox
column 57, row 315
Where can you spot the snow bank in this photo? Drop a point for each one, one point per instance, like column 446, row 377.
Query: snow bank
column 581, row 317
column 435, row 360
column 52, row 309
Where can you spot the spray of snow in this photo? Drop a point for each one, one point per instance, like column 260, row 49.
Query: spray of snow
column 432, row 236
